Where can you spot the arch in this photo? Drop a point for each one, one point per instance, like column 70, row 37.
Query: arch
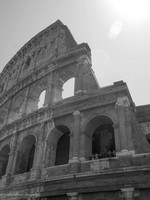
column 36, row 96
column 25, row 154
column 4, row 156
column 61, row 77
column 58, row 146
column 105, row 115
column 68, row 88
column 101, row 131
column 63, row 146
column 41, row 99
column 6, row 143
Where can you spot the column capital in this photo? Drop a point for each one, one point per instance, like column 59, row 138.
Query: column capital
column 73, row 195
column 83, row 60
column 129, row 193
column 123, row 101
column 76, row 113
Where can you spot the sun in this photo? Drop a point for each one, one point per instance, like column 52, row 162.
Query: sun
column 133, row 10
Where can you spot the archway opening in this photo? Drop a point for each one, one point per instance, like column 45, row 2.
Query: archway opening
column 63, row 146
column 41, row 99
column 4, row 156
column 68, row 88
column 103, row 143
column 25, row 155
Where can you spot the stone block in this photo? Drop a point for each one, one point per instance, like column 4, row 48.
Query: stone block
column 99, row 165
column 34, row 174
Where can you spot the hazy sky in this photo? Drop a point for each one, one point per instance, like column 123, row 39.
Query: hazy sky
column 119, row 37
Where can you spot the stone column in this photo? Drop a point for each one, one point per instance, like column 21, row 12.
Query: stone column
column 77, row 118
column 129, row 193
column 73, row 196
column 121, row 105
column 82, row 70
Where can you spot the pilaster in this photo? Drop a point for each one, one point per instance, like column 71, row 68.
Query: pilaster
column 12, row 155
column 117, row 137
column 25, row 103
column 85, row 146
column 73, row 196
column 48, row 93
column 129, row 193
column 8, row 111
column 56, row 89
column 122, row 105
column 15, row 164
column 39, row 150
column 80, row 81
column 128, row 116
column 75, row 154
column 51, row 155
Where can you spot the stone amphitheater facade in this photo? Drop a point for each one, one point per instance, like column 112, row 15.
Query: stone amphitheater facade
column 92, row 145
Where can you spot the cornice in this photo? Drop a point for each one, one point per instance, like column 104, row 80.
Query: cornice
column 45, row 69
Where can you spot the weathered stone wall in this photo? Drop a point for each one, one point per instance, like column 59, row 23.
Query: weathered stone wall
column 46, row 63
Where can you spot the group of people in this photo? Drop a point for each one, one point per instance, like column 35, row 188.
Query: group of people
column 104, row 154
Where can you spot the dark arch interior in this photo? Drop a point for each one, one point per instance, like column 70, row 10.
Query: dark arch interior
column 103, row 144
column 30, row 158
column 63, row 146
column 25, row 155
column 148, row 137
column 100, row 128
column 4, row 156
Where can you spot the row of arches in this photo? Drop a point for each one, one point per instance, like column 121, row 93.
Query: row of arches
column 23, row 103
column 102, row 145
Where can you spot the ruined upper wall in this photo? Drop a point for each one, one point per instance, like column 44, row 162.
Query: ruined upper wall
column 46, row 45
column 143, row 113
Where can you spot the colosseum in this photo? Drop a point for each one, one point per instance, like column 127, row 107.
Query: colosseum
column 91, row 145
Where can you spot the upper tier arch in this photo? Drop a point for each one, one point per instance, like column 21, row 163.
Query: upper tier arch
column 48, row 44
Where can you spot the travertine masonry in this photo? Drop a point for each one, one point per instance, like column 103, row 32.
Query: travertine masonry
column 92, row 145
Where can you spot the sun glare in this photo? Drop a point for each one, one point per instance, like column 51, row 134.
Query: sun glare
column 131, row 9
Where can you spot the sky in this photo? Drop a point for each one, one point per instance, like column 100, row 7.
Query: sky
column 117, row 33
